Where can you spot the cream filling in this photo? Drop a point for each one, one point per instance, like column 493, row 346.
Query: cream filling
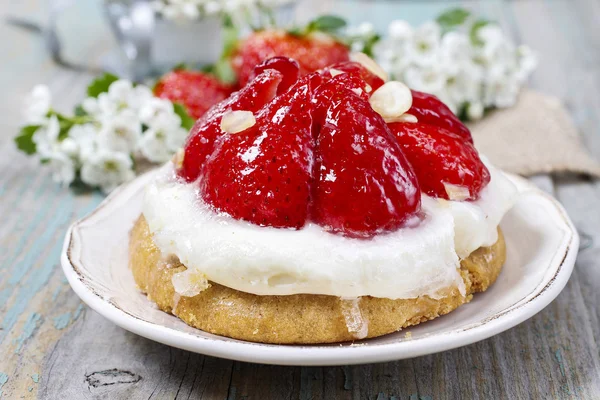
column 407, row 263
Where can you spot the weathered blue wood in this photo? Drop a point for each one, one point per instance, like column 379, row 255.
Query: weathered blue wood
column 54, row 347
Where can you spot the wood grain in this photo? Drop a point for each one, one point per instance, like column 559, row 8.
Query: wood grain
column 54, row 347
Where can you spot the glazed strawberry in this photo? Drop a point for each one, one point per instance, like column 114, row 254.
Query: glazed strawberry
column 446, row 165
column 263, row 173
column 289, row 68
column 338, row 86
column 200, row 142
column 197, row 91
column 353, row 67
column 313, row 51
column 430, row 110
column 364, row 184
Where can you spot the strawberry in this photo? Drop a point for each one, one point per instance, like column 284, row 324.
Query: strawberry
column 197, row 91
column 364, row 184
column 263, row 174
column 430, row 110
column 200, row 142
column 289, row 68
column 313, row 51
column 441, row 157
column 353, row 67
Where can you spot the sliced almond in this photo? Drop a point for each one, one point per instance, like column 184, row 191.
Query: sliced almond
column 391, row 100
column 358, row 91
column 456, row 192
column 178, row 158
column 335, row 72
column 406, row 117
column 369, row 64
column 237, row 121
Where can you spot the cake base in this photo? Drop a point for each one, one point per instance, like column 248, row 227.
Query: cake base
column 302, row 318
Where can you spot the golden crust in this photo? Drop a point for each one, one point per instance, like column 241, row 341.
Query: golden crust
column 301, row 318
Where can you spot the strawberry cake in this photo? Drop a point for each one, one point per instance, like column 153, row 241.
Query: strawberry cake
column 321, row 207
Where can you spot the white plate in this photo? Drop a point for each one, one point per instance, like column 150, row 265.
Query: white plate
column 542, row 245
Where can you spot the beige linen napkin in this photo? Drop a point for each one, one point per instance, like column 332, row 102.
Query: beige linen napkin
column 535, row 136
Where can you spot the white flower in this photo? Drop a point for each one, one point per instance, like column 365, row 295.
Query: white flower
column 430, row 79
column 502, row 92
column 46, row 137
column 107, row 169
column 121, row 132
column 455, row 52
column 62, row 166
column 156, row 145
column 400, row 30
column 85, row 138
column 56, row 154
column 37, row 105
column 527, row 62
column 423, row 47
column 475, row 111
column 157, row 110
column 162, row 139
column 121, row 96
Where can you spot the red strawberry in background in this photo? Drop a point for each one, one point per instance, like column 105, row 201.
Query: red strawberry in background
column 263, row 173
column 197, row 91
column 200, row 142
column 443, row 161
column 313, row 48
column 364, row 185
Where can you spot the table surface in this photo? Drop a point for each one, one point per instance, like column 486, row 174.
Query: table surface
column 53, row 346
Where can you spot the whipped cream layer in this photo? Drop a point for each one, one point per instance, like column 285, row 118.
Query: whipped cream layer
column 407, row 263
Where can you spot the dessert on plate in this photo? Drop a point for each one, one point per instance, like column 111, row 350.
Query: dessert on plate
column 321, row 207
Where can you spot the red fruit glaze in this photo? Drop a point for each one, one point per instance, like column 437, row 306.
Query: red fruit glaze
column 430, row 110
column 364, row 184
column 289, row 68
column 262, row 175
column 200, row 142
column 353, row 67
column 311, row 53
column 438, row 155
column 197, row 91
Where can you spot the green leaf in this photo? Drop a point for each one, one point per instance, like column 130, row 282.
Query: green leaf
column 101, row 84
column 224, row 72
column 473, row 33
column 181, row 66
column 326, row 23
column 186, row 120
column 65, row 124
column 452, row 18
column 79, row 111
column 230, row 37
column 24, row 139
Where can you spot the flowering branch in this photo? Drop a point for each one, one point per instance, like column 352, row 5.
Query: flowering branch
column 469, row 63
column 98, row 145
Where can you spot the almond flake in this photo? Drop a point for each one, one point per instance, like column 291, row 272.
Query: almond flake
column 178, row 158
column 237, row 121
column 456, row 192
column 358, row 91
column 406, row 117
column 369, row 64
column 335, row 72
column 391, row 100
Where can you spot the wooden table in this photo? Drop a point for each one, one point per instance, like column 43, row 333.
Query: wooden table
column 54, row 347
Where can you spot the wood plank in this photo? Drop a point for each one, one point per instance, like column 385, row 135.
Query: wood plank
column 553, row 355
